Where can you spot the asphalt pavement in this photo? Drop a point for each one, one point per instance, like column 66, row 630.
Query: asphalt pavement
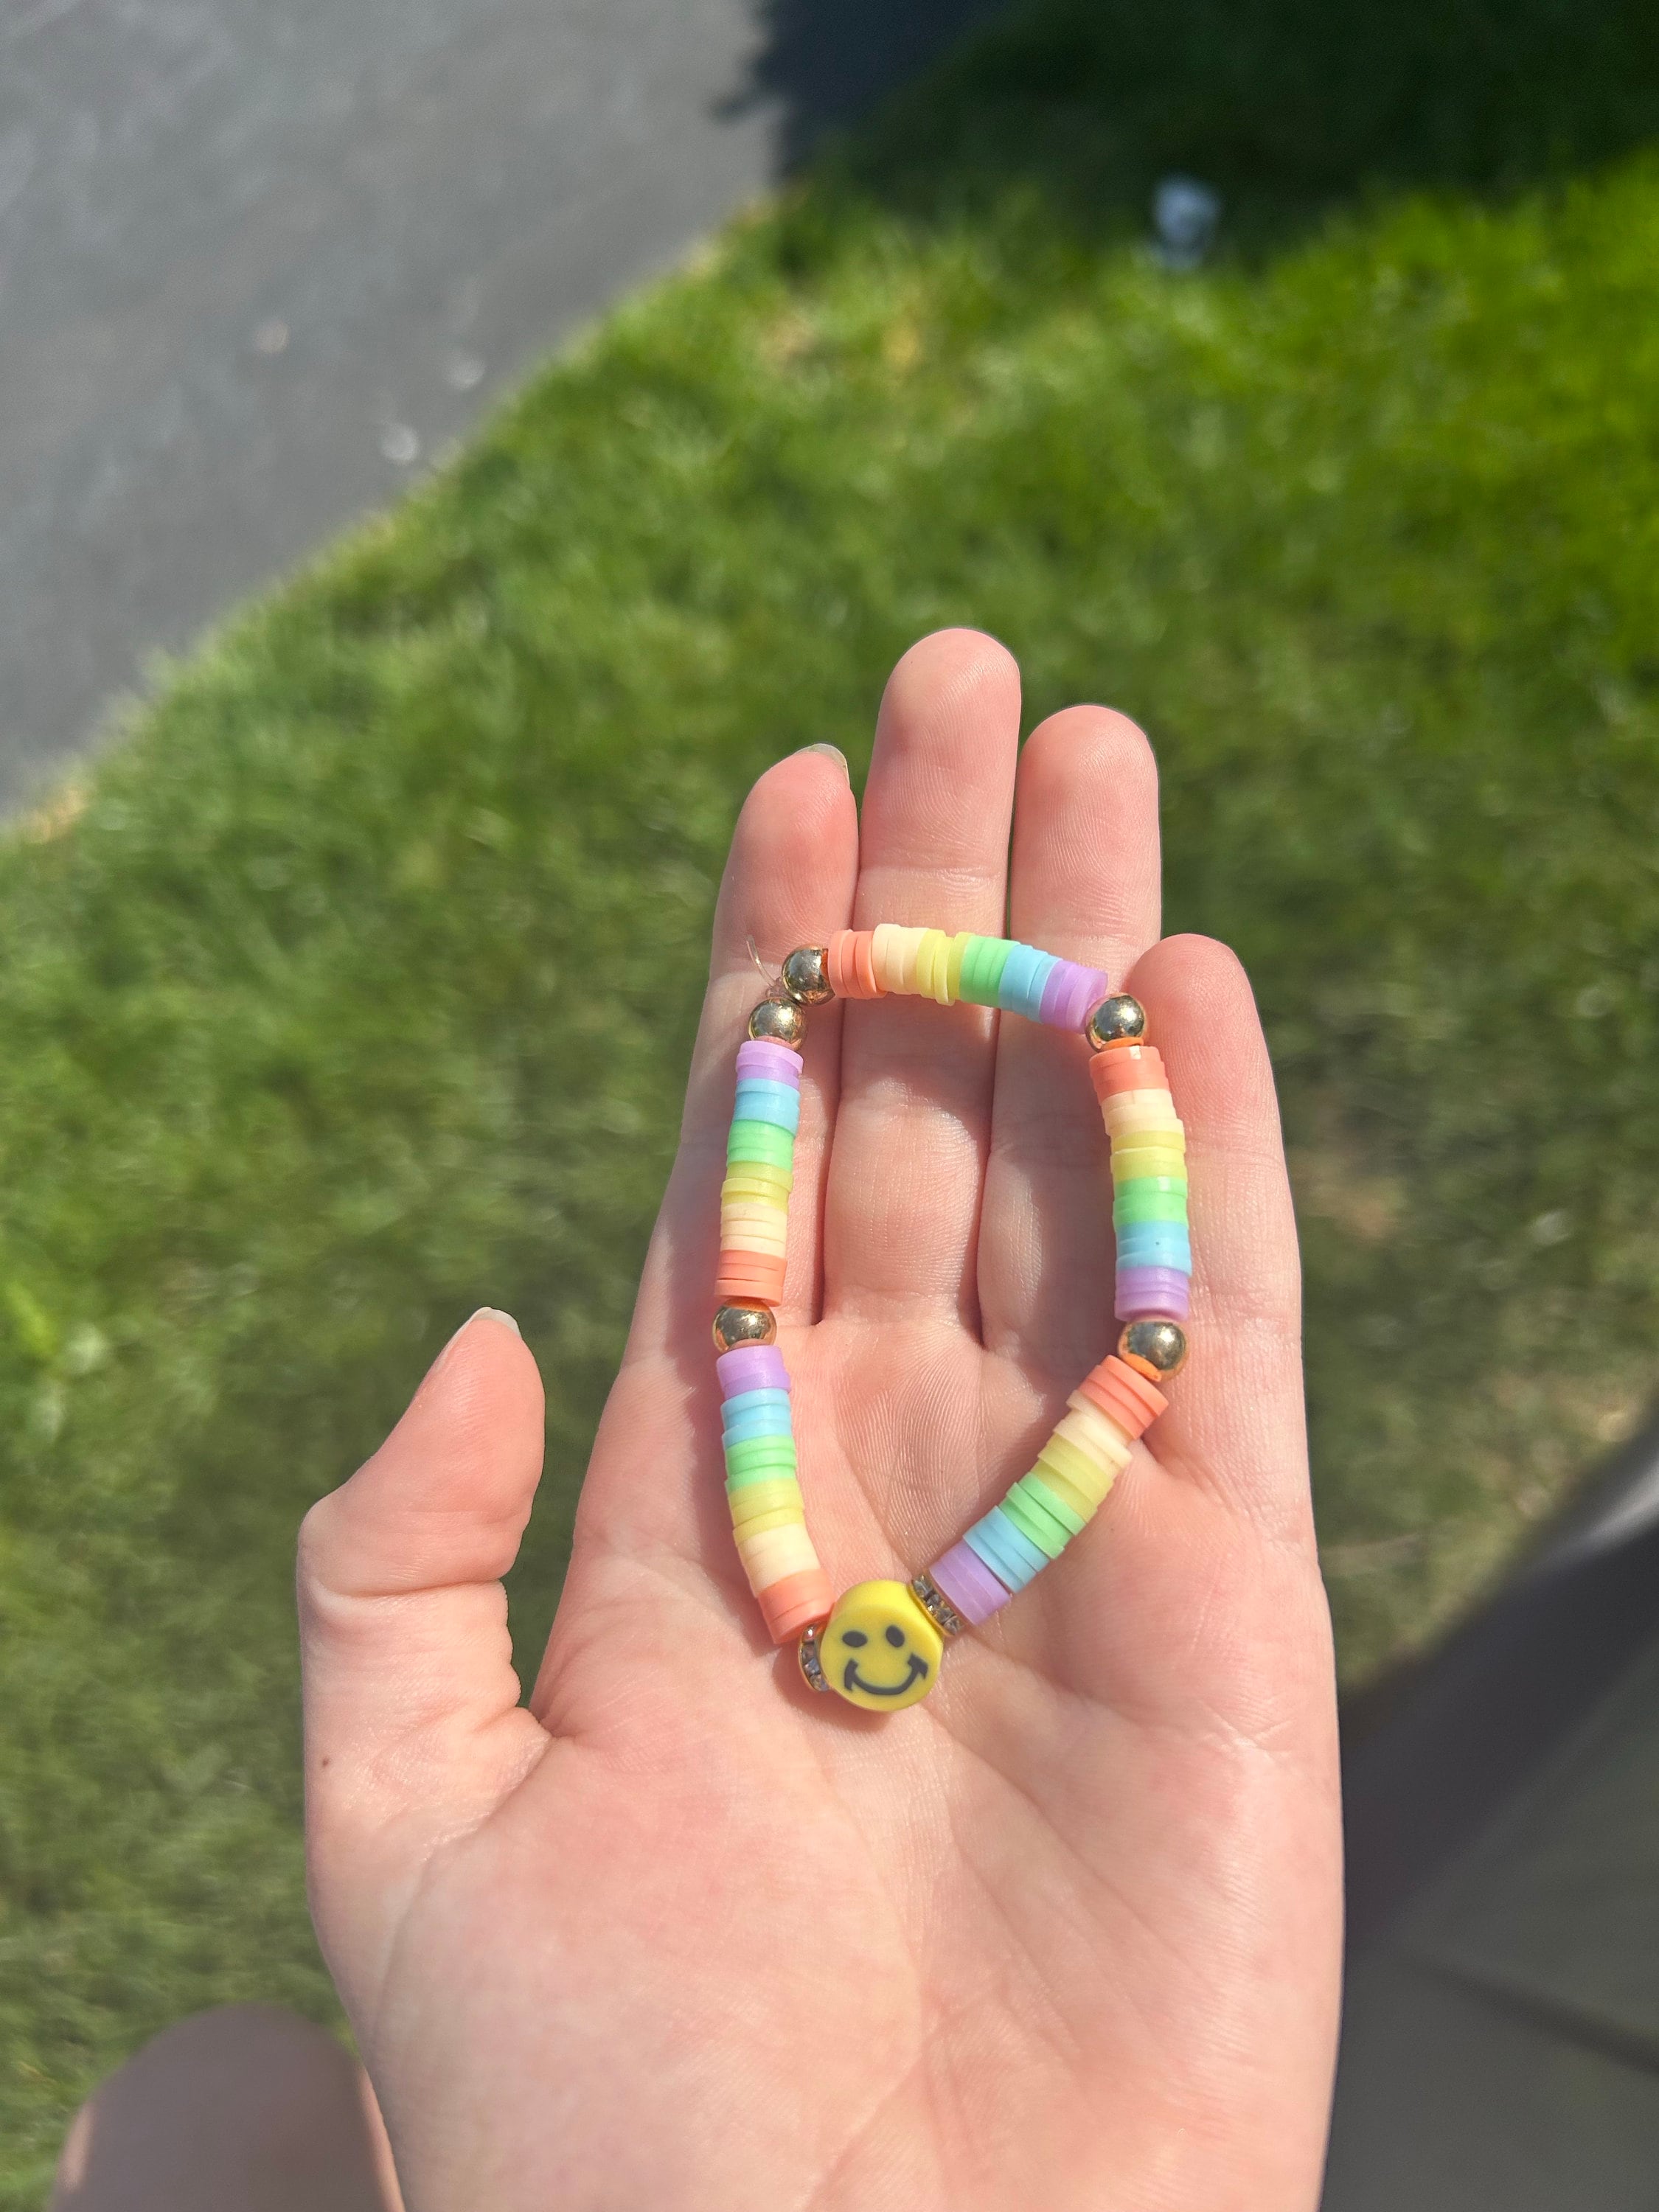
column 261, row 259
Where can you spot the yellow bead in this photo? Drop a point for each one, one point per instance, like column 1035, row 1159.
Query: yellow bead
column 1113, row 1019
column 959, row 944
column 1161, row 1344
column 781, row 1021
column 806, row 975
column 744, row 1324
column 879, row 1649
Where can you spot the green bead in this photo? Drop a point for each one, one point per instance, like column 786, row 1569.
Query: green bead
column 981, row 969
column 1135, row 1204
column 760, row 1140
column 764, row 1456
column 1039, row 1494
column 1028, row 1517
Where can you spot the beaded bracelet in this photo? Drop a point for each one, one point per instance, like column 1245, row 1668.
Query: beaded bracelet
column 880, row 1645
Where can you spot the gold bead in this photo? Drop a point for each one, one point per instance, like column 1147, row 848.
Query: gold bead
column 782, row 1020
column 1161, row 1344
column 746, row 1324
column 806, row 974
column 1113, row 1020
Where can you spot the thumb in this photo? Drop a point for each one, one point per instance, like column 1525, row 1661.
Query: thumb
column 414, row 1732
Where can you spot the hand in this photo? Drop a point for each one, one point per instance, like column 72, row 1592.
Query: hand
column 680, row 1935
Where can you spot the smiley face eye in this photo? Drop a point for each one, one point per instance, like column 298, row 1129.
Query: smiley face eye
column 895, row 1635
column 853, row 1636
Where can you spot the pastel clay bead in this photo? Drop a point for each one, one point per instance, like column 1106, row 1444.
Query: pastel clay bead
column 1152, row 1294
column 864, row 964
column 756, row 1498
column 1083, row 1503
column 969, row 1584
column 1115, row 1072
column 796, row 1602
column 762, row 1524
column 1038, row 1528
column 771, row 1061
column 752, row 1428
column 779, row 1551
column 1072, row 1518
column 983, row 970
column 773, row 1468
column 1089, row 1474
column 1013, row 1558
column 879, row 1649
column 1143, row 1159
column 748, row 1279
column 760, row 1140
column 776, row 1103
column 1145, row 1201
column 1093, row 1430
column 765, row 1400
column 1113, row 1369
column 959, row 944
column 751, row 1367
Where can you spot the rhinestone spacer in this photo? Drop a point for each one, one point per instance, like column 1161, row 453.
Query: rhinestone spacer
column 812, row 1666
column 936, row 1607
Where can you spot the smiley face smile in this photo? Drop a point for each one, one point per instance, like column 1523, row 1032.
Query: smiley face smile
column 851, row 1680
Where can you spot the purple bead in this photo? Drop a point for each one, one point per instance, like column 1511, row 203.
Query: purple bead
column 751, row 1367
column 766, row 1058
column 963, row 1577
column 1071, row 993
column 1152, row 1294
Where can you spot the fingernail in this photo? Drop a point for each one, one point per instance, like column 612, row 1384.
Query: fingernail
column 495, row 1313
column 835, row 753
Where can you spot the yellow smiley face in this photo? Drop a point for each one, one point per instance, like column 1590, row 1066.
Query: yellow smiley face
column 879, row 1649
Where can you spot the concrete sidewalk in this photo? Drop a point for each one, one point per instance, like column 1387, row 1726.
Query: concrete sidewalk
column 260, row 259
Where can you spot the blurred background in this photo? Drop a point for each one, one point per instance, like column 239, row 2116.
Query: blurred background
column 348, row 962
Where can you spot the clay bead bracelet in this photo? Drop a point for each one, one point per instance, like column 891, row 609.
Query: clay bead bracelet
column 880, row 1644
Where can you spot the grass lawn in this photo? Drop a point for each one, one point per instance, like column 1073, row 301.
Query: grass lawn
column 354, row 991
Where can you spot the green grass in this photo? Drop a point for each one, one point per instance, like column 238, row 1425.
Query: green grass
column 358, row 991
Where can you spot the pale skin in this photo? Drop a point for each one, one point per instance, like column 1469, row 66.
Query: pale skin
column 679, row 1934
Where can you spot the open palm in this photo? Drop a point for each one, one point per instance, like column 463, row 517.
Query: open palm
column 680, row 1935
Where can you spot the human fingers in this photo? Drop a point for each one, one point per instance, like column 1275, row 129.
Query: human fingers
column 414, row 1731
column 1084, row 883
column 901, row 1205
column 1236, row 1419
column 788, row 880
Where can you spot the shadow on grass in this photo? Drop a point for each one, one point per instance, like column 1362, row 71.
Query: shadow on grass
column 1286, row 104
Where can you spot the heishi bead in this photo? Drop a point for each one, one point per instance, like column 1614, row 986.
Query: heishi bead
column 1071, row 995
column 769, row 1517
column 969, row 1584
column 751, row 1367
column 771, row 1061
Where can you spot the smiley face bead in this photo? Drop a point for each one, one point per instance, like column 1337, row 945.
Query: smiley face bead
column 878, row 1649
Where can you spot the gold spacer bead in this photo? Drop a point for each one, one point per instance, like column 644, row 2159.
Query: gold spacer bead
column 744, row 1324
column 806, row 974
column 1161, row 1344
column 782, row 1020
column 1115, row 1021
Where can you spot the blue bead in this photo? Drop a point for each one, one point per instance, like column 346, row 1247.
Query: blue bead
column 776, row 1103
column 754, row 1402
column 1024, row 979
column 751, row 1426
column 1012, row 1558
